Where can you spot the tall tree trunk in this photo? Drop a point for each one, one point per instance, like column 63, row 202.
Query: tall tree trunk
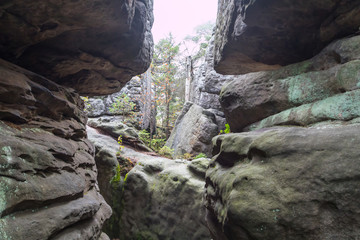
column 147, row 104
column 189, row 77
column 167, row 112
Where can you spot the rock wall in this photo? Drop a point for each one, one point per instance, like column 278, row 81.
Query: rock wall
column 259, row 35
column 285, row 183
column 48, row 173
column 291, row 169
column 298, row 94
column 207, row 83
column 202, row 118
column 92, row 46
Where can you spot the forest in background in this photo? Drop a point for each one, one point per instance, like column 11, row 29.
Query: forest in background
column 172, row 69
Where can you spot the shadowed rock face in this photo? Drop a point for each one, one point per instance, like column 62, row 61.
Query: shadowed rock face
column 92, row 46
column 256, row 35
column 285, row 183
column 323, row 88
column 290, row 170
column 48, row 186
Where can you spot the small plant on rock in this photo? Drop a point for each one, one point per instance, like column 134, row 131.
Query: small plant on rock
column 121, row 147
column 117, row 177
column 166, row 151
column 200, row 155
column 226, row 130
column 187, row 156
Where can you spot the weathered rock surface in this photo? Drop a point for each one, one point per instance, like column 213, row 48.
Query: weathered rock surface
column 322, row 88
column 48, row 187
column 114, row 127
column 285, row 183
column 106, row 161
column 109, row 178
column 92, row 46
column 260, row 35
column 193, row 131
column 293, row 175
column 207, row 83
column 163, row 200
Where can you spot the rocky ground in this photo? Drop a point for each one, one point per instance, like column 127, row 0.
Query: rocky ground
column 159, row 198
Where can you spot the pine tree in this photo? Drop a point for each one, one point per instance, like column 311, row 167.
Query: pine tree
column 163, row 70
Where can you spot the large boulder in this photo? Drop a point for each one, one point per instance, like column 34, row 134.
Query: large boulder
column 322, row 88
column 163, row 200
column 285, row 183
column 93, row 46
column 48, row 173
column 261, row 35
column 193, row 131
column 115, row 127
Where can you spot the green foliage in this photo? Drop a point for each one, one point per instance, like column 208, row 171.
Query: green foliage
column 226, row 130
column 126, row 176
column 155, row 143
column 121, row 147
column 87, row 105
column 145, row 137
column 200, row 155
column 123, row 105
column 164, row 69
column 187, row 156
column 166, row 151
column 200, row 40
column 117, row 177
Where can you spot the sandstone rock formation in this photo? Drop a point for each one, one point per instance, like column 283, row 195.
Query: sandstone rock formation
column 207, row 84
column 193, row 131
column 260, row 35
column 48, row 175
column 163, row 200
column 106, row 157
column 92, row 46
column 160, row 199
column 48, row 172
column 298, row 94
column 291, row 171
column 285, row 183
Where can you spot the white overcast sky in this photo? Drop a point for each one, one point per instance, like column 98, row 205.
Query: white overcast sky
column 180, row 17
